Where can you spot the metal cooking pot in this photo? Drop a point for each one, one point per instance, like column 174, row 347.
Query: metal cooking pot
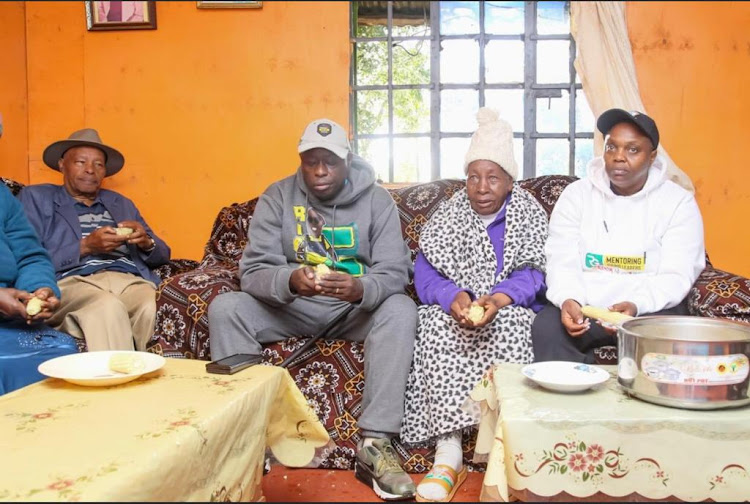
column 685, row 362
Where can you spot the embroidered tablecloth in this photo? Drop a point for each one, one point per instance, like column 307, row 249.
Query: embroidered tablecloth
column 602, row 444
column 177, row 434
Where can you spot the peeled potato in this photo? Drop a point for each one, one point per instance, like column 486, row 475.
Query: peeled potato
column 34, row 306
column 321, row 270
column 124, row 231
column 126, row 363
column 476, row 313
column 604, row 315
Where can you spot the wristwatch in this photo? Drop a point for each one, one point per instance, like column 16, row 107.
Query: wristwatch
column 153, row 245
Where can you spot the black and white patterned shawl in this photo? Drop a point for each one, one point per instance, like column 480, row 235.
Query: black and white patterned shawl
column 456, row 243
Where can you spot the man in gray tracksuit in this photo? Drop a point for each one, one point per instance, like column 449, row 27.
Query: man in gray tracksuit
column 281, row 295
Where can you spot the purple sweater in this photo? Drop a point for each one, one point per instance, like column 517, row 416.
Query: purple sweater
column 525, row 286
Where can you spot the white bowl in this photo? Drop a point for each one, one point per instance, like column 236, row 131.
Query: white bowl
column 91, row 369
column 563, row 376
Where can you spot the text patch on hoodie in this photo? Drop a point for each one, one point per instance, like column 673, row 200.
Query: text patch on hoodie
column 615, row 263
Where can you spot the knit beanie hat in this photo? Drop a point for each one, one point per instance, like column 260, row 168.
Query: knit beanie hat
column 493, row 141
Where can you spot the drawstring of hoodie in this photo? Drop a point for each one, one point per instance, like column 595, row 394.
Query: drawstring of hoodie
column 609, row 221
column 333, row 231
column 333, row 225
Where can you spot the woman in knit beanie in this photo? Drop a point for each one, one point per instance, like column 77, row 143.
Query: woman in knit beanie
column 480, row 278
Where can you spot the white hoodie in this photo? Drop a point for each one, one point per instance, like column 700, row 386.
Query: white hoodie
column 604, row 249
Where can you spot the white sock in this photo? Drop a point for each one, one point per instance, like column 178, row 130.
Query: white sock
column 448, row 452
column 367, row 441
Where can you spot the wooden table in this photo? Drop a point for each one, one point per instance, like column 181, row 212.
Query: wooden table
column 178, row 434
column 602, row 444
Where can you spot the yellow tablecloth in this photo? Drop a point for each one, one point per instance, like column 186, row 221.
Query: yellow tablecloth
column 178, row 434
column 601, row 442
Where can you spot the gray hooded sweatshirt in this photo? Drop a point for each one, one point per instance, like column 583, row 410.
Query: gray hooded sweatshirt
column 361, row 234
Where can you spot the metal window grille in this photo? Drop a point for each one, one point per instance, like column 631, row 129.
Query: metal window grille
column 535, row 94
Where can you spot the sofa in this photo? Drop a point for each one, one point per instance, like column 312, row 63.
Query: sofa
column 331, row 374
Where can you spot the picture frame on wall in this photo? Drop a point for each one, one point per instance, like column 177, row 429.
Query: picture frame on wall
column 120, row 15
column 222, row 4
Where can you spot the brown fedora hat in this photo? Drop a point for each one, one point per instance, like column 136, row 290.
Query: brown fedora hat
column 88, row 137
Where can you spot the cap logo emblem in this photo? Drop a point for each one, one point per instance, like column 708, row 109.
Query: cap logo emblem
column 324, row 129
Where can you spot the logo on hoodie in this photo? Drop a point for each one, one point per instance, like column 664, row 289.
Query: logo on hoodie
column 615, row 263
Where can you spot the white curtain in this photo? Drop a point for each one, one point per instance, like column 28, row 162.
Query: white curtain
column 605, row 66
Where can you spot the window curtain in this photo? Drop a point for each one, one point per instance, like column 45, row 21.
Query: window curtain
column 605, row 66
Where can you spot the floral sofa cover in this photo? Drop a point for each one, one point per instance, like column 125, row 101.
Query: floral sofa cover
column 331, row 374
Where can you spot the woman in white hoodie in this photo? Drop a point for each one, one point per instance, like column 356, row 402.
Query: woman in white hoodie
column 624, row 238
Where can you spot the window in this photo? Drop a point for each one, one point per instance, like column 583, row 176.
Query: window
column 421, row 70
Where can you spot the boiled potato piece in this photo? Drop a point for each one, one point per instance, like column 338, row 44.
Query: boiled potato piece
column 126, row 363
column 604, row 315
column 476, row 313
column 124, row 231
column 321, row 270
column 34, row 306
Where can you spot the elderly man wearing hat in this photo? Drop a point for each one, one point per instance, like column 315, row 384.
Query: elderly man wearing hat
column 482, row 253
column 625, row 238
column 102, row 249
column 281, row 295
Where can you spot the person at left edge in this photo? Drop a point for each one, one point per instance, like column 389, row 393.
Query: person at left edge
column 25, row 272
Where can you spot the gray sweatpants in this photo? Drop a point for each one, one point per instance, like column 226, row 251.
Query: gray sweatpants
column 239, row 323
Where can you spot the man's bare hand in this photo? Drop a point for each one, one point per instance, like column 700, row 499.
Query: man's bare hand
column 302, row 281
column 101, row 241
column 341, row 286
column 138, row 237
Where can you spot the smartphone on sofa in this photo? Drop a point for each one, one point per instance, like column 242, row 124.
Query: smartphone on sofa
column 233, row 363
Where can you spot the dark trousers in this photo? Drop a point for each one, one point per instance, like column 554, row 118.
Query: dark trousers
column 553, row 343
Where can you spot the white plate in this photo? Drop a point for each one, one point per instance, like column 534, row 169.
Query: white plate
column 563, row 376
column 92, row 368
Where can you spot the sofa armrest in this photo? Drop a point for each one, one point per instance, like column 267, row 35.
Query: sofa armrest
column 175, row 267
column 15, row 187
column 182, row 300
column 720, row 294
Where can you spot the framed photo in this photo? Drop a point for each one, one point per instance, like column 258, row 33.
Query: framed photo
column 120, row 15
column 239, row 4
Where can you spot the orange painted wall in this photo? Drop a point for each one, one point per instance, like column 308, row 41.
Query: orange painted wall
column 693, row 65
column 13, row 103
column 207, row 108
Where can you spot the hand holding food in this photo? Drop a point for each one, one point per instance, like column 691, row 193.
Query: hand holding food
column 476, row 313
column 604, row 315
column 136, row 235
column 338, row 284
column 303, row 281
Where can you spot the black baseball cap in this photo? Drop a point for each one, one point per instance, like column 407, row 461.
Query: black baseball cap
column 615, row 116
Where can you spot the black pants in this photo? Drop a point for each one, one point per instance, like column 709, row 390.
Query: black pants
column 552, row 342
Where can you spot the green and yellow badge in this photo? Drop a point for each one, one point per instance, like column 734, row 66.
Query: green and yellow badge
column 630, row 264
